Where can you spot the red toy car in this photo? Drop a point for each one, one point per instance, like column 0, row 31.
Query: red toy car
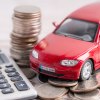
column 72, row 51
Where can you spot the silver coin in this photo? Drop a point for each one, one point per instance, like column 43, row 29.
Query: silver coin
column 23, row 64
column 22, row 45
column 16, row 56
column 27, row 9
column 38, row 19
column 24, row 35
column 27, row 31
column 28, row 24
column 19, row 48
column 85, row 86
column 29, row 73
column 30, row 41
column 62, row 83
column 29, row 16
column 19, row 51
column 47, row 91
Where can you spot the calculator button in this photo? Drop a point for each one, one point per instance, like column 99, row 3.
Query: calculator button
column 8, row 90
column 1, row 76
column 10, row 70
column 6, row 85
column 8, row 66
column 17, row 78
column 13, row 74
column 21, row 85
column 3, row 81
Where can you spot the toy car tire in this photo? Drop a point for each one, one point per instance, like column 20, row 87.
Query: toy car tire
column 87, row 70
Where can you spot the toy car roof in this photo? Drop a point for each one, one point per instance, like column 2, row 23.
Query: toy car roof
column 90, row 12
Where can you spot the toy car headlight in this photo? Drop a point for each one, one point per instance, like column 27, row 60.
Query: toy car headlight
column 35, row 54
column 69, row 63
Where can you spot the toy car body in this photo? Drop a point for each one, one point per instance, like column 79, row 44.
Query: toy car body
column 72, row 50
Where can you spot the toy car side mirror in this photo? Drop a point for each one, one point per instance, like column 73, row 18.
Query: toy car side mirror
column 55, row 24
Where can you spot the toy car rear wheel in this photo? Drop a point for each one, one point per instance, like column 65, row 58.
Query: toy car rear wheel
column 87, row 70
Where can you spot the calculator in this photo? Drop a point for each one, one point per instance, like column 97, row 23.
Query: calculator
column 13, row 83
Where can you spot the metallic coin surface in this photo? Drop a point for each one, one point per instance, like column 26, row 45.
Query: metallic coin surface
column 24, row 36
column 62, row 83
column 47, row 91
column 98, row 78
column 29, row 73
column 27, row 9
column 23, row 64
column 93, row 95
column 65, row 97
column 72, row 96
column 85, row 86
column 19, row 51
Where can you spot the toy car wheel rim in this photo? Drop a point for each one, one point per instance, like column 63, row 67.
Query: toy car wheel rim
column 87, row 70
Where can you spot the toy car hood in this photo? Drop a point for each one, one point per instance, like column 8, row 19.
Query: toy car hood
column 61, row 46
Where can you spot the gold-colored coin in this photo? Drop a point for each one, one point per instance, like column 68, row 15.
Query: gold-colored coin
column 47, row 91
column 62, row 83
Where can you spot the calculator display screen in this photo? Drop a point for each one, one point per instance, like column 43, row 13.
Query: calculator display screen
column 3, row 59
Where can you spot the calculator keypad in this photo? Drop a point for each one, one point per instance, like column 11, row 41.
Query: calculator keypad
column 21, row 85
column 8, row 90
column 14, row 77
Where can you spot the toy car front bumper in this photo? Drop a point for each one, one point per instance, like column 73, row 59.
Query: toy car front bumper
column 70, row 73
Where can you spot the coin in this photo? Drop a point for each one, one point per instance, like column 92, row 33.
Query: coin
column 65, row 97
column 29, row 73
column 93, row 95
column 25, row 65
column 27, row 20
column 35, row 81
column 19, row 57
column 85, row 86
column 26, row 48
column 47, row 91
column 24, row 36
column 27, row 10
column 19, row 51
column 62, row 83
column 98, row 79
column 72, row 96
column 22, row 45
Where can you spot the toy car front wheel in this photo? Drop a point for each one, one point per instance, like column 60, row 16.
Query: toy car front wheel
column 87, row 70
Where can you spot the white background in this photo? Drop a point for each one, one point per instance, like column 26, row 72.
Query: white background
column 52, row 10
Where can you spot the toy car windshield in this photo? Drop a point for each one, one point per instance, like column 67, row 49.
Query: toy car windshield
column 78, row 29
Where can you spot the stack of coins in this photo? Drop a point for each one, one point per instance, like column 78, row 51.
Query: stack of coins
column 26, row 28
column 75, row 90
